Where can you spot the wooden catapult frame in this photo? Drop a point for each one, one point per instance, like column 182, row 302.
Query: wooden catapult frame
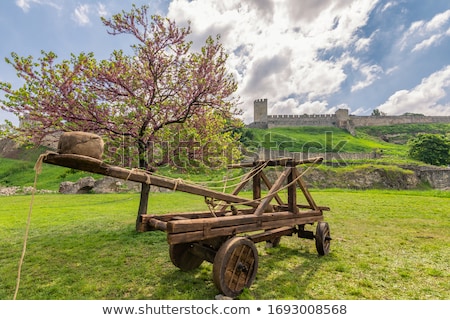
column 225, row 234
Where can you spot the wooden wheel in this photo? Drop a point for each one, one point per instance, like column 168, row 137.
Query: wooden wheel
column 235, row 266
column 183, row 258
column 323, row 238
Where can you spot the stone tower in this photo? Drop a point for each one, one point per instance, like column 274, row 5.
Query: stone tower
column 260, row 111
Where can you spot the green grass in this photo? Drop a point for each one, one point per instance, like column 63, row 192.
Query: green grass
column 406, row 130
column 321, row 139
column 386, row 245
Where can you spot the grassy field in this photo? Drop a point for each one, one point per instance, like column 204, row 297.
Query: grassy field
column 386, row 245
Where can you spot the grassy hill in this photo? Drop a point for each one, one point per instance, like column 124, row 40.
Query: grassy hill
column 21, row 173
column 320, row 139
column 390, row 139
column 400, row 134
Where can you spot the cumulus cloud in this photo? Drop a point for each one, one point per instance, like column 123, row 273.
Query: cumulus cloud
column 291, row 106
column 424, row 98
column 275, row 46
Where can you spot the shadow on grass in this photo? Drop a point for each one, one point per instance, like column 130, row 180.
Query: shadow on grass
column 287, row 272
column 117, row 263
column 284, row 272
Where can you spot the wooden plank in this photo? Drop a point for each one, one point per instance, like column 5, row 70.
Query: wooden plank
column 184, row 237
column 156, row 224
column 292, row 191
column 305, row 191
column 257, row 186
column 272, row 192
column 180, row 226
column 269, row 186
column 96, row 166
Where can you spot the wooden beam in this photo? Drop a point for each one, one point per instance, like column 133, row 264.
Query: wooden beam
column 305, row 191
column 188, row 225
column 277, row 162
column 209, row 233
column 96, row 166
column 269, row 186
column 292, row 191
column 273, row 233
column 272, row 192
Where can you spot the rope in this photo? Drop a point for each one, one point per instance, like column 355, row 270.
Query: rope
column 205, row 183
column 261, row 168
column 134, row 170
column 40, row 160
column 210, row 204
column 38, row 170
column 176, row 183
column 282, row 188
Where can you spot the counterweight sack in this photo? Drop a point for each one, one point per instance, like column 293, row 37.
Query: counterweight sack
column 81, row 143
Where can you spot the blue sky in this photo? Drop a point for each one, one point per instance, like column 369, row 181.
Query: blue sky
column 306, row 56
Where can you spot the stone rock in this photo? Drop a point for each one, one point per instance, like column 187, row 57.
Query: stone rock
column 104, row 185
column 84, row 185
column 113, row 185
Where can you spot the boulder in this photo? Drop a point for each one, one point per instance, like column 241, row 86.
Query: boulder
column 104, row 185
column 113, row 185
column 83, row 185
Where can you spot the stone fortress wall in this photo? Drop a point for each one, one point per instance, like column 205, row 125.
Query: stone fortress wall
column 341, row 119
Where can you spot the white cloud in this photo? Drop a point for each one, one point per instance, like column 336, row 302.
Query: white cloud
column 291, row 106
column 81, row 14
column 363, row 44
column 101, row 10
column 371, row 73
column 428, row 42
column 424, row 98
column 25, row 5
column 422, row 34
column 388, row 5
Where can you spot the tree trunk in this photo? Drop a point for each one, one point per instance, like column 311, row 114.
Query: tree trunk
column 143, row 204
column 145, row 190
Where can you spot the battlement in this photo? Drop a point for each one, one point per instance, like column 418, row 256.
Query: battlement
column 300, row 116
column 261, row 100
column 340, row 119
